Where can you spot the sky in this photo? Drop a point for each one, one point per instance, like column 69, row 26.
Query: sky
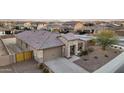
column 62, row 20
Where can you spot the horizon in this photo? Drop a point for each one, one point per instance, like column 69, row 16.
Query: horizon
column 61, row 20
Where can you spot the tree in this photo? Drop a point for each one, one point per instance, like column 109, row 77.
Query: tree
column 106, row 38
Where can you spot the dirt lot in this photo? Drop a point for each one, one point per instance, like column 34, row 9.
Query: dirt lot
column 97, row 58
column 2, row 49
column 21, row 67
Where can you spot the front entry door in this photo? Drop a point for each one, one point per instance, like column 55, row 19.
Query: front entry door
column 72, row 50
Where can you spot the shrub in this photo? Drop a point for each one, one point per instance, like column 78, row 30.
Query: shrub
column 106, row 55
column 95, row 57
column 79, row 54
column 85, row 59
column 90, row 49
column 45, row 70
column 84, row 52
column 41, row 66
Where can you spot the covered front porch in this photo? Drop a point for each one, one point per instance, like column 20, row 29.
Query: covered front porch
column 74, row 44
column 74, row 47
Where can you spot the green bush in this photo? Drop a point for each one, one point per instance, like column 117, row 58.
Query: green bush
column 106, row 55
column 90, row 49
column 85, row 52
column 45, row 70
column 95, row 57
column 41, row 66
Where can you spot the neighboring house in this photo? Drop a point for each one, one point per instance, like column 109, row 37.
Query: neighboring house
column 5, row 31
column 69, row 25
column 54, row 26
column 78, row 27
column 49, row 45
column 120, row 32
column 42, row 25
column 85, row 28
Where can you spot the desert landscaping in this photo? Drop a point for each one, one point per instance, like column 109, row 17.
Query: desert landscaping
column 96, row 58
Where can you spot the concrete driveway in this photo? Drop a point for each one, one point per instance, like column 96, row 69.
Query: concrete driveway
column 120, row 70
column 21, row 67
column 63, row 65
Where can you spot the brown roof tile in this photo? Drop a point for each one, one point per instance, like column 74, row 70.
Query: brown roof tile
column 70, row 36
column 40, row 39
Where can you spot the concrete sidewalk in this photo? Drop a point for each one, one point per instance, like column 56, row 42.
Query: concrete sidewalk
column 120, row 70
column 113, row 65
column 63, row 65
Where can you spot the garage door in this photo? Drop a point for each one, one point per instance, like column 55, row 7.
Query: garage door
column 52, row 53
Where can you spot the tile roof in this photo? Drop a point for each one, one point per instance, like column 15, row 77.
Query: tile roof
column 70, row 36
column 40, row 39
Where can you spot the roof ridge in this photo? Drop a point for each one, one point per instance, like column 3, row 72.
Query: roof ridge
column 45, row 40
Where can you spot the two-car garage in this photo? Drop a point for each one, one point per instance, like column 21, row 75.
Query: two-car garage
column 52, row 53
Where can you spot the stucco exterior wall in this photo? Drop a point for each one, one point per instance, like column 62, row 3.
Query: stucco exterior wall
column 38, row 55
column 18, row 42
column 6, row 60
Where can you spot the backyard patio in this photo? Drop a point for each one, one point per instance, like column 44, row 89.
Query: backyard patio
column 97, row 58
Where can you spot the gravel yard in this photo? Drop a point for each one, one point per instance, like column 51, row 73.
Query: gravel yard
column 97, row 58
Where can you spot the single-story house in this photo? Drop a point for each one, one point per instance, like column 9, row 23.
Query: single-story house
column 50, row 45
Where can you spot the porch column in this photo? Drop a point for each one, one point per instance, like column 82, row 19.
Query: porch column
column 76, row 49
column 83, row 47
column 67, row 51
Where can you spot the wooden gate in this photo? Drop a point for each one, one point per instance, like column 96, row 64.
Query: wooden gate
column 28, row 55
column 23, row 56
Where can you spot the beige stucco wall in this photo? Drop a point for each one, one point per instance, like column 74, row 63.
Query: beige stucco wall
column 38, row 55
column 18, row 42
column 6, row 60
